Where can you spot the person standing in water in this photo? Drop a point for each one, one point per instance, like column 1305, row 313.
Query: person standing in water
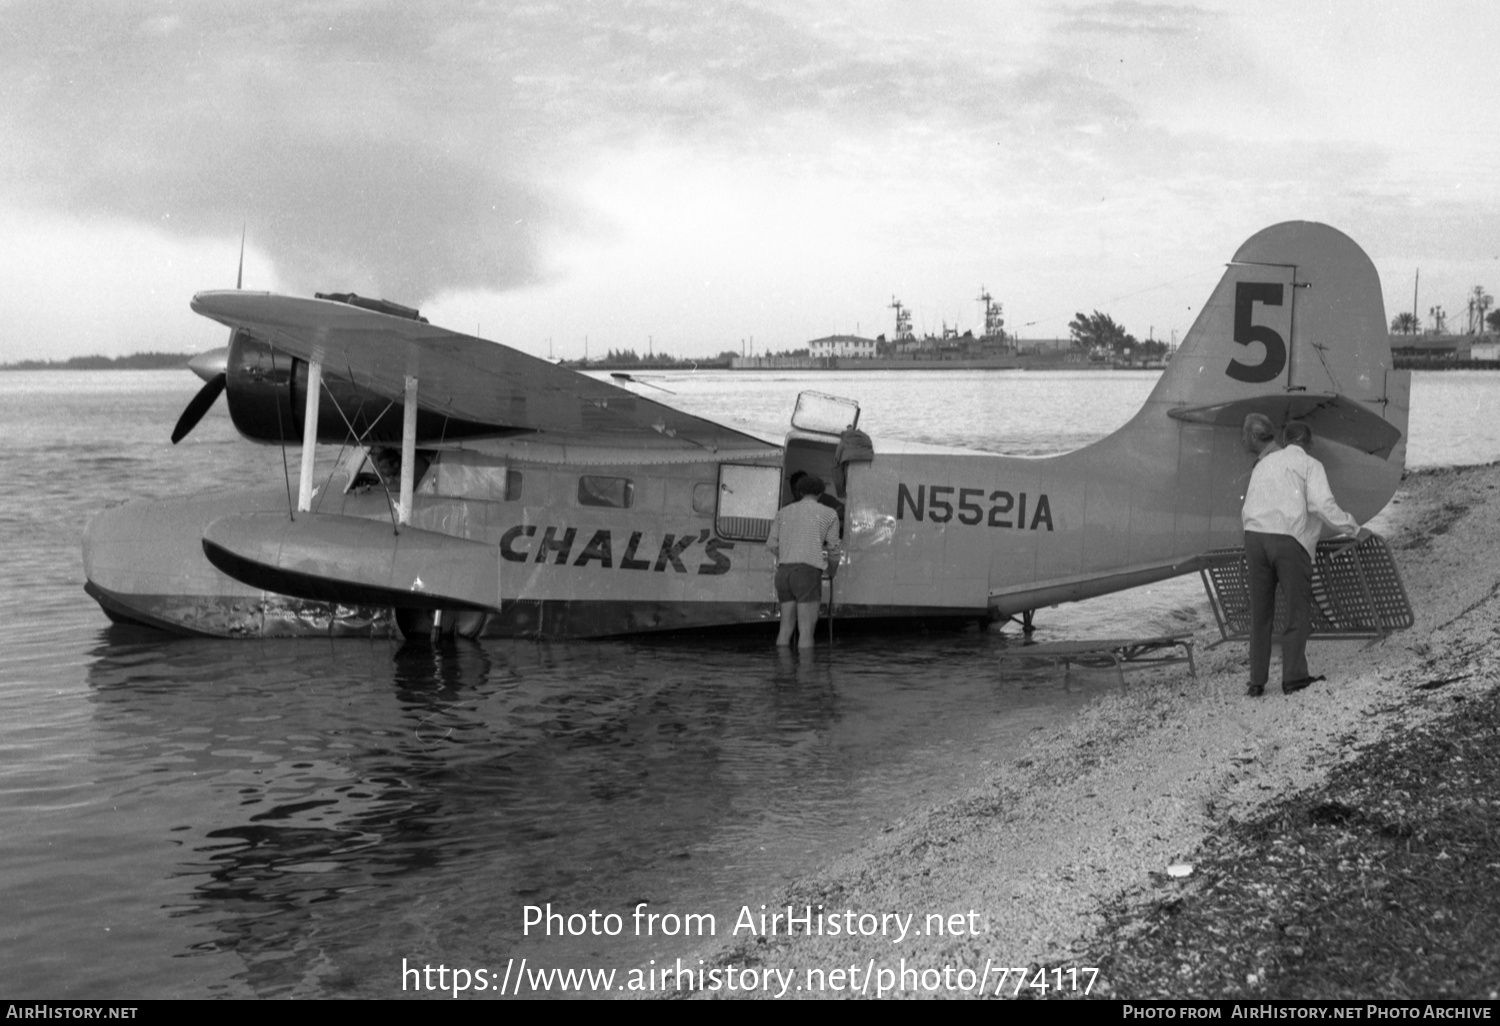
column 801, row 537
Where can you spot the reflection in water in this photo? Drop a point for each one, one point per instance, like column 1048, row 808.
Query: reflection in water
column 342, row 805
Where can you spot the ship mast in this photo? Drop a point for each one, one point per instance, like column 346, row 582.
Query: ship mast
column 903, row 320
column 994, row 320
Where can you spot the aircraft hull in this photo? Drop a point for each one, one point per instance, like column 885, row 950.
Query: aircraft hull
column 146, row 564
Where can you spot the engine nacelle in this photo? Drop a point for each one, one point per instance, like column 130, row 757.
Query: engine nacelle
column 267, row 395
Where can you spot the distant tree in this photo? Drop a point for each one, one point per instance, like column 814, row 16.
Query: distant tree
column 1405, row 324
column 1493, row 320
column 1099, row 332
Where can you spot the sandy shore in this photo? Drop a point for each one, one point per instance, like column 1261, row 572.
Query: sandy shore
column 1093, row 814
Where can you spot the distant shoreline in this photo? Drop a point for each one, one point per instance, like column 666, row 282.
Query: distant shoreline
column 135, row 361
column 176, row 361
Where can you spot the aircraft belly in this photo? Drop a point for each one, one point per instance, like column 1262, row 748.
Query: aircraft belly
column 601, row 618
column 259, row 615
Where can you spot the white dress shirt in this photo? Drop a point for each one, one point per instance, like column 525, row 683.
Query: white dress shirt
column 1289, row 494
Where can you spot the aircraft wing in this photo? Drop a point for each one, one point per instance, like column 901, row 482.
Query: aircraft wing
column 464, row 376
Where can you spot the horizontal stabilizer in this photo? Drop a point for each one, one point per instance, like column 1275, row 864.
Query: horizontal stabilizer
column 1331, row 417
column 353, row 561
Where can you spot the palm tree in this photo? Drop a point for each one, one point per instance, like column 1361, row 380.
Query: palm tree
column 1405, row 324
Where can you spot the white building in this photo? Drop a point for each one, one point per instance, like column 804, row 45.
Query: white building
column 842, row 345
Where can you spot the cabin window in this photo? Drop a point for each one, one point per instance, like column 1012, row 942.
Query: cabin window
column 613, row 492
column 704, row 494
column 747, row 501
column 462, row 474
column 381, row 466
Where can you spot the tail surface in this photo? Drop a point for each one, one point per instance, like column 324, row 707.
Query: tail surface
column 1296, row 330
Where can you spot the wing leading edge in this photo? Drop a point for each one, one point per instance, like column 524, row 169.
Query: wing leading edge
column 464, row 376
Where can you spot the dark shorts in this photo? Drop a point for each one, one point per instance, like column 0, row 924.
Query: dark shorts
column 798, row 582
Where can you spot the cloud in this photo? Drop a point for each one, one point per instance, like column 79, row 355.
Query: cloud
column 397, row 148
column 323, row 142
column 543, row 153
column 406, row 149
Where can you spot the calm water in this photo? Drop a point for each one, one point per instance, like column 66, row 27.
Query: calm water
column 195, row 818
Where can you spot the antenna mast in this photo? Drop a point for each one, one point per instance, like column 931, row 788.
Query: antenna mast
column 903, row 319
column 994, row 321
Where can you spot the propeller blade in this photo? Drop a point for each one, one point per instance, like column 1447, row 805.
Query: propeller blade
column 198, row 407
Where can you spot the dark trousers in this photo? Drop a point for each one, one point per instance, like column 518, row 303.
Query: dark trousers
column 1274, row 559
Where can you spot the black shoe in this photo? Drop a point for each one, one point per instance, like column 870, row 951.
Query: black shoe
column 1290, row 687
column 1255, row 690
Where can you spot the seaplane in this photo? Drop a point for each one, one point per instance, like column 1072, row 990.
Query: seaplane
column 490, row 493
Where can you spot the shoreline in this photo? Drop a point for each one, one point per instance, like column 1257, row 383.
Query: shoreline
column 1085, row 820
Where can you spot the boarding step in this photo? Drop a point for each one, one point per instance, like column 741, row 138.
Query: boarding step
column 1357, row 592
column 1121, row 653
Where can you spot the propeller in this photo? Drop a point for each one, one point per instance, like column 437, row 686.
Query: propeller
column 212, row 367
column 199, row 406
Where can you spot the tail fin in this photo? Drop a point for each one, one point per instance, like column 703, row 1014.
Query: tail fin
column 1296, row 330
column 1299, row 309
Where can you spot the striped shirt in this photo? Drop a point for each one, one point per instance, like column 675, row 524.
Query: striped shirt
column 801, row 531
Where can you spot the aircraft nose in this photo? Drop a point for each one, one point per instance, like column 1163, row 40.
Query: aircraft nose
column 211, row 364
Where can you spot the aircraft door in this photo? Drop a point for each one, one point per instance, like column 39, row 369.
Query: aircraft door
column 809, row 455
column 748, row 500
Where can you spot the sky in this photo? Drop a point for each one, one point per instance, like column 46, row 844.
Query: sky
column 694, row 176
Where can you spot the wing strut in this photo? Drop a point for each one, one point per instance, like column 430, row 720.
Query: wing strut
column 309, row 435
column 408, row 450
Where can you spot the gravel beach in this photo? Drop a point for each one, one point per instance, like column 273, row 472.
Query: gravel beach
column 1089, row 817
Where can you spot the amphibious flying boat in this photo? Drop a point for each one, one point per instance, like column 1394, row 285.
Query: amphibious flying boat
column 492, row 493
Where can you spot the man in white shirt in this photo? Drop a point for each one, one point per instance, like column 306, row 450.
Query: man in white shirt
column 1286, row 505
